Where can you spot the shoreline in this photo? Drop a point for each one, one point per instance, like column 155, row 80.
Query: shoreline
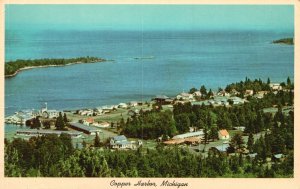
column 46, row 66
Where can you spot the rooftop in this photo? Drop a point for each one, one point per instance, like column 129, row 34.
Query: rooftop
column 223, row 132
column 187, row 135
column 120, row 138
column 222, row 148
column 85, row 128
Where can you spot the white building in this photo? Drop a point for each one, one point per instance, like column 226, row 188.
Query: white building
column 120, row 142
column 185, row 96
column 122, row 105
column 48, row 113
column 199, row 134
column 275, row 86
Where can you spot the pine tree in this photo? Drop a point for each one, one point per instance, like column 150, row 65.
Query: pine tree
column 36, row 123
column 210, row 94
column 65, row 118
column 59, row 124
column 213, row 134
column 97, row 141
column 250, row 142
column 288, row 82
column 203, row 91
column 237, row 142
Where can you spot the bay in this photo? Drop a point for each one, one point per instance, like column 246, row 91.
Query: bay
column 146, row 63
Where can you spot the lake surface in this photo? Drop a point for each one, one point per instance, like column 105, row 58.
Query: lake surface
column 178, row 61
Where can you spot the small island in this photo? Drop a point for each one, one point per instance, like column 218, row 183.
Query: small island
column 12, row 68
column 287, row 41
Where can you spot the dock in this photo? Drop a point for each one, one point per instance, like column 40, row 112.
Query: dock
column 36, row 132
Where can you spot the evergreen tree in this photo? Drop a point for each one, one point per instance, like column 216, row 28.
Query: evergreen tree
column 288, row 82
column 46, row 124
column 213, row 134
column 250, row 143
column 65, row 118
column 60, row 124
column 205, row 130
column 192, row 90
column 203, row 91
column 182, row 123
column 97, row 142
column 237, row 142
column 210, row 94
column 36, row 123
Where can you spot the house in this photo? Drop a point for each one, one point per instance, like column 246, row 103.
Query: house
column 133, row 112
column 98, row 111
column 278, row 157
column 101, row 124
column 86, row 112
column 249, row 92
column 260, row 94
column 221, row 148
column 88, row 121
column 122, row 105
column 120, row 142
column 223, row 93
column 275, row 86
column 133, row 103
column 220, row 100
column 223, row 134
column 197, row 94
column 253, row 155
column 234, row 92
column 185, row 97
column 162, row 99
column 236, row 100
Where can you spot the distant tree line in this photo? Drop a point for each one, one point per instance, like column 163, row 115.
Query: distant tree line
column 12, row 67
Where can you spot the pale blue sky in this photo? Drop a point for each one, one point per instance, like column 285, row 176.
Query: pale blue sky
column 150, row 17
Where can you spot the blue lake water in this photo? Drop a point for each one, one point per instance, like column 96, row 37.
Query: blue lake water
column 181, row 60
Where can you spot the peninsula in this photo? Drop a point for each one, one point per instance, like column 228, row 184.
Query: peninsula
column 12, row 68
column 287, row 41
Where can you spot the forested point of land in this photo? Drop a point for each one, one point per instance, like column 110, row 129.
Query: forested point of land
column 12, row 67
column 288, row 41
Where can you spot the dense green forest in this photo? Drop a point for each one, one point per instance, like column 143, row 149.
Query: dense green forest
column 53, row 156
column 288, row 41
column 13, row 67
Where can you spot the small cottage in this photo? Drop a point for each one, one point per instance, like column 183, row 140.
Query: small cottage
column 223, row 134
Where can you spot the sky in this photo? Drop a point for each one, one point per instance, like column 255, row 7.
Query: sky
column 149, row 17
